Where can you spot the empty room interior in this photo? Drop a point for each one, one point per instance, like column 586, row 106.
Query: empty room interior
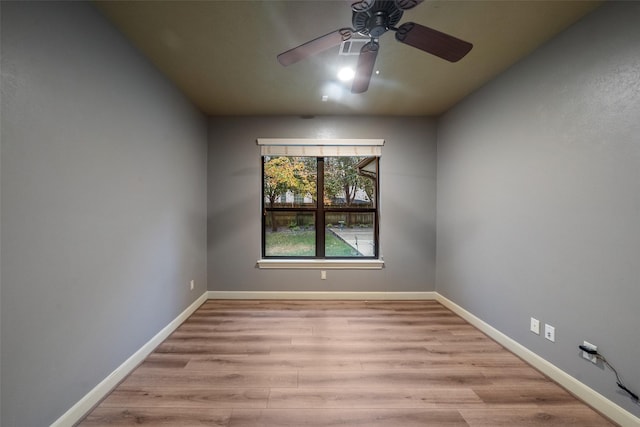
column 503, row 205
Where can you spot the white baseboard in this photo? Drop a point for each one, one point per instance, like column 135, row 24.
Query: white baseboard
column 591, row 397
column 322, row 295
column 84, row 405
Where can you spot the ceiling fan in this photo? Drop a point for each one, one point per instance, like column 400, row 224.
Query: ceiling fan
column 373, row 18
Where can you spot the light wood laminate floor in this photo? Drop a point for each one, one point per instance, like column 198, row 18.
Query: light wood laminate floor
column 335, row 363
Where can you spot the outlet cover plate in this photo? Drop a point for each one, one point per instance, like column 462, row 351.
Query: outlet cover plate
column 590, row 357
column 535, row 326
column 550, row 332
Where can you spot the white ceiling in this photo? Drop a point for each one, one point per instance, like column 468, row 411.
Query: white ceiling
column 222, row 54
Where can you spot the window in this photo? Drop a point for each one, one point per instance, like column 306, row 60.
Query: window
column 320, row 203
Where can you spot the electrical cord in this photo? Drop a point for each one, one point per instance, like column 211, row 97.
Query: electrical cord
column 604, row 360
column 618, row 380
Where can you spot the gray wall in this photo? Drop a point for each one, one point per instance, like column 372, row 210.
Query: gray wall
column 407, row 225
column 103, row 205
column 103, row 210
column 539, row 199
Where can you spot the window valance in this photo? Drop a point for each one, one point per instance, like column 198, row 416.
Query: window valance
column 320, row 147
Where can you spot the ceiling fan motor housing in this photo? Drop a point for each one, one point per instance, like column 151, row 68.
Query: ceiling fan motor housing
column 376, row 20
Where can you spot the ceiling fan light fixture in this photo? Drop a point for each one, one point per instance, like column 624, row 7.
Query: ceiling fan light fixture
column 346, row 74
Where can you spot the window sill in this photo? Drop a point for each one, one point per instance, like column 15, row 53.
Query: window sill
column 335, row 264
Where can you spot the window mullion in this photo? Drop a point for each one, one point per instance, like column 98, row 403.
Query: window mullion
column 320, row 209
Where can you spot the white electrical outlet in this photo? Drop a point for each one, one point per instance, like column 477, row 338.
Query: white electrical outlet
column 535, row 326
column 192, row 284
column 323, row 274
column 590, row 357
column 550, row 332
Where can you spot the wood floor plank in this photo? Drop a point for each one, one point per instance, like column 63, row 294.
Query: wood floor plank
column 181, row 397
column 335, row 363
column 374, row 361
column 372, row 398
column 548, row 394
column 522, row 376
column 256, row 329
column 353, row 349
column 158, row 377
column 419, row 321
column 273, row 322
column 346, row 418
column 346, row 338
column 466, row 338
column 168, row 360
column 433, row 377
column 161, row 417
column 580, row 415
column 273, row 363
column 184, row 336
column 391, row 330
column 473, row 349
column 176, row 346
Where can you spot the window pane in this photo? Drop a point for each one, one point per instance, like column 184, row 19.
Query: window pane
column 349, row 234
column 289, row 181
column 290, row 234
column 348, row 182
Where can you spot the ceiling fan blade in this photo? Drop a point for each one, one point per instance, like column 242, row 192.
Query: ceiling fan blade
column 432, row 41
column 314, row 46
column 364, row 69
column 407, row 4
column 361, row 5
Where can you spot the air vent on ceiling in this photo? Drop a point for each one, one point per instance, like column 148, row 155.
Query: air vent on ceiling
column 352, row 46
